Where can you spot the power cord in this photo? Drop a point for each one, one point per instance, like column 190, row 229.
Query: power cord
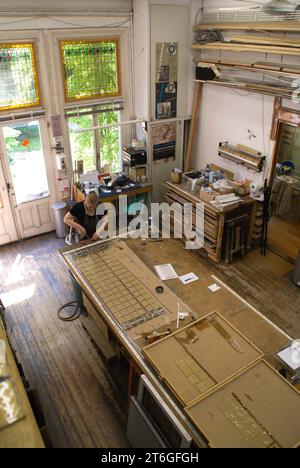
column 73, row 316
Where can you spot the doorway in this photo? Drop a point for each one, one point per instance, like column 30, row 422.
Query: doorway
column 26, row 183
column 284, row 229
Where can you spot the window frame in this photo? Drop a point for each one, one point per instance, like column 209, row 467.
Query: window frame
column 92, row 97
column 33, row 46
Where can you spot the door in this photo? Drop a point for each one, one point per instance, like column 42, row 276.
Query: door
column 28, row 176
column 8, row 232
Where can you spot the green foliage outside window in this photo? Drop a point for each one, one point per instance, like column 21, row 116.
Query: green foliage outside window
column 83, row 144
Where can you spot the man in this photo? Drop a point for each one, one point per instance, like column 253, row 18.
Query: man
column 84, row 219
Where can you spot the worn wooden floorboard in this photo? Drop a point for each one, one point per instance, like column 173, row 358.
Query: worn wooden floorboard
column 80, row 406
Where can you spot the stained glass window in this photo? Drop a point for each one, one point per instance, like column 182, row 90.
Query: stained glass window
column 91, row 69
column 18, row 77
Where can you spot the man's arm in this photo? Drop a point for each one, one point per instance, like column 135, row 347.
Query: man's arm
column 100, row 228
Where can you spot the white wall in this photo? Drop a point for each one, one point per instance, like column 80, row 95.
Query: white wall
column 226, row 115
column 171, row 23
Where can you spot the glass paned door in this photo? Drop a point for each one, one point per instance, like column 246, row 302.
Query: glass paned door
column 28, row 176
column 26, row 161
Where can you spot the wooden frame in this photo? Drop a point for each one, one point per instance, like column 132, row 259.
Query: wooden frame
column 33, row 49
column 281, row 115
column 157, row 354
column 232, row 384
column 63, row 42
column 234, row 47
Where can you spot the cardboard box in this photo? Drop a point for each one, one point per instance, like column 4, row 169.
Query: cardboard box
column 207, row 196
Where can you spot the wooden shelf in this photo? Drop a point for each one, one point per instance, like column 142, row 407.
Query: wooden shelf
column 233, row 47
column 281, row 26
column 252, row 88
column 283, row 70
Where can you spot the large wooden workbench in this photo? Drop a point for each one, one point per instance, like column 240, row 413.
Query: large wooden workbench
column 261, row 332
column 25, row 432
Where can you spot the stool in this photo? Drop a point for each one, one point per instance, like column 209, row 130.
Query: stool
column 235, row 237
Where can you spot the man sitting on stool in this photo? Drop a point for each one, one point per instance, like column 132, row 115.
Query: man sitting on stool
column 84, row 219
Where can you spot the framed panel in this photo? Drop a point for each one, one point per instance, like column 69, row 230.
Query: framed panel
column 195, row 360
column 257, row 409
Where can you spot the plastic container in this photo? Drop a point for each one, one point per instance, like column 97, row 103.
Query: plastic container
column 59, row 211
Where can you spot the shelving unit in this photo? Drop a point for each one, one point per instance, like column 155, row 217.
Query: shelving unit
column 254, row 22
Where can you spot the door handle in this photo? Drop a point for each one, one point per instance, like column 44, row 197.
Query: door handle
column 10, row 189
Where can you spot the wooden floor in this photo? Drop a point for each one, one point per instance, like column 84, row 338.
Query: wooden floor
column 78, row 398
column 284, row 236
column 81, row 409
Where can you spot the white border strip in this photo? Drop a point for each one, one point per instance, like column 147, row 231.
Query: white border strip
column 253, row 308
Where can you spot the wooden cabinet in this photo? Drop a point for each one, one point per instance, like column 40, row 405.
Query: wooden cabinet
column 214, row 220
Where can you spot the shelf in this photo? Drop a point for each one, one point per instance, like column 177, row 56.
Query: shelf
column 233, row 47
column 282, row 26
column 252, row 88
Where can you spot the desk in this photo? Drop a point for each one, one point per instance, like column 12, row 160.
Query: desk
column 110, row 198
column 240, row 314
column 24, row 433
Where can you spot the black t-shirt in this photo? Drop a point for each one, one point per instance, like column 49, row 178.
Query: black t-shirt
column 88, row 222
column 78, row 211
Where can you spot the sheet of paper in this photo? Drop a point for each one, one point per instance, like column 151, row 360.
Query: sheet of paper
column 190, row 278
column 214, row 288
column 166, row 272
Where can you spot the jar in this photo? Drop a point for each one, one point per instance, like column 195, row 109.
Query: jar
column 176, row 177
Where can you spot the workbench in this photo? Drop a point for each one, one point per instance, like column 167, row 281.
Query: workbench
column 214, row 219
column 131, row 335
column 25, row 432
column 114, row 197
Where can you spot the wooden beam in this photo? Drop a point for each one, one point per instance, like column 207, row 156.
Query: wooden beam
column 232, row 47
column 250, row 67
column 292, row 26
column 275, row 41
column 253, row 88
column 194, row 122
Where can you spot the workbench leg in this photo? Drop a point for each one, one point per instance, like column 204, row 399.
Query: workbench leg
column 130, row 380
column 220, row 238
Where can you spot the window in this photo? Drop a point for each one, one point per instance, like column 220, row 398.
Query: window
column 18, row 77
column 95, row 147
column 91, row 69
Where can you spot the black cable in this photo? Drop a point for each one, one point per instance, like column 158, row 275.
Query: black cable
column 72, row 317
